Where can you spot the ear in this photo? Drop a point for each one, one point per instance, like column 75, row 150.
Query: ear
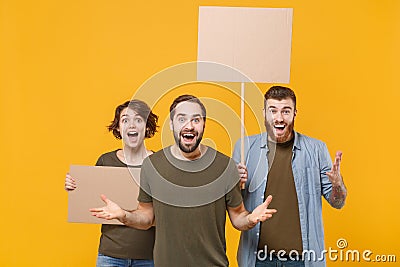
column 295, row 112
column 171, row 125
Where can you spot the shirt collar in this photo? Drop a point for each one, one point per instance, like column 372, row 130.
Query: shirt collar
column 264, row 138
column 296, row 145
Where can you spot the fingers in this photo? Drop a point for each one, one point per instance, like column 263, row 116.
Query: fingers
column 268, row 201
column 270, row 212
column 335, row 170
column 242, row 169
column 339, row 155
column 262, row 213
column 96, row 209
column 241, row 166
column 336, row 164
column 105, row 199
column 108, row 212
column 338, row 159
column 262, row 217
column 97, row 212
column 70, row 183
column 69, row 186
column 100, row 213
column 110, row 204
column 267, row 213
column 265, row 217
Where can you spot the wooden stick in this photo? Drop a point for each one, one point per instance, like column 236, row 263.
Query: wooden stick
column 242, row 186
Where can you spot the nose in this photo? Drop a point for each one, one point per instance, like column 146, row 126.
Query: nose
column 189, row 125
column 132, row 124
column 278, row 117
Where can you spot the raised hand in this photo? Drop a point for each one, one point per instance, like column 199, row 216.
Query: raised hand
column 261, row 213
column 338, row 195
column 108, row 212
column 334, row 175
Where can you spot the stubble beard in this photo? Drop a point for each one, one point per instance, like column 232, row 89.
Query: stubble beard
column 280, row 139
column 188, row 149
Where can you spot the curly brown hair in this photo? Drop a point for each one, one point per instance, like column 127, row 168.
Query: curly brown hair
column 143, row 110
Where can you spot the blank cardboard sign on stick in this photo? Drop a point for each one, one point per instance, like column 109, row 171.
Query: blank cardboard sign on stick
column 248, row 45
column 117, row 183
column 255, row 41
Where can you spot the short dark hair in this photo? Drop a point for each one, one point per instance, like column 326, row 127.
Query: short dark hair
column 140, row 108
column 279, row 93
column 184, row 98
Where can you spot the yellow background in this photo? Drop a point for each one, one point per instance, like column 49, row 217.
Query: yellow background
column 66, row 65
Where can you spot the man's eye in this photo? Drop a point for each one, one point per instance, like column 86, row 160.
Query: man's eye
column 181, row 119
column 286, row 112
column 196, row 120
column 124, row 120
column 138, row 120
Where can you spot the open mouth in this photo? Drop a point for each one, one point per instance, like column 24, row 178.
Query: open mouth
column 188, row 137
column 280, row 127
column 132, row 134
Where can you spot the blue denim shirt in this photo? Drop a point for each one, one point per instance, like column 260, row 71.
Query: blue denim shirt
column 310, row 162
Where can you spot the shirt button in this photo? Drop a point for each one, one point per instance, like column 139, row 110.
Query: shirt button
column 255, row 252
column 258, row 234
column 262, row 197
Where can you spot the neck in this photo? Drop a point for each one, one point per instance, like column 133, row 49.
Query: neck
column 272, row 138
column 196, row 154
column 134, row 155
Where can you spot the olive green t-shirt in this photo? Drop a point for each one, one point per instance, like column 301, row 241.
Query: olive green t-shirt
column 120, row 241
column 190, row 199
column 282, row 231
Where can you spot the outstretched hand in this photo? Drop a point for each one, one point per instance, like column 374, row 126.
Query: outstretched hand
column 334, row 175
column 108, row 212
column 261, row 213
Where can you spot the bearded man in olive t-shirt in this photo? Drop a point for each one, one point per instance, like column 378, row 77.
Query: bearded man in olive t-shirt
column 186, row 190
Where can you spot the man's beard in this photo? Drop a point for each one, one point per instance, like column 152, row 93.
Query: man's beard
column 283, row 138
column 186, row 149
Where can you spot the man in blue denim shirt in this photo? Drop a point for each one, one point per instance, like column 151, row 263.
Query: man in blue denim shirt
column 297, row 171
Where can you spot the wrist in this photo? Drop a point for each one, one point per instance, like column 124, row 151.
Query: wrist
column 250, row 223
column 338, row 185
column 123, row 218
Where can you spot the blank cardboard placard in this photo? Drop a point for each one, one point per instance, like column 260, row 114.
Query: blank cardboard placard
column 117, row 183
column 254, row 41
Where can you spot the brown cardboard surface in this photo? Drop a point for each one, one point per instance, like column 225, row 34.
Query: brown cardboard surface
column 116, row 183
column 255, row 41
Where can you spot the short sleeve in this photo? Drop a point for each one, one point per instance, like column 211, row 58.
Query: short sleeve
column 144, row 192
column 234, row 197
column 100, row 161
